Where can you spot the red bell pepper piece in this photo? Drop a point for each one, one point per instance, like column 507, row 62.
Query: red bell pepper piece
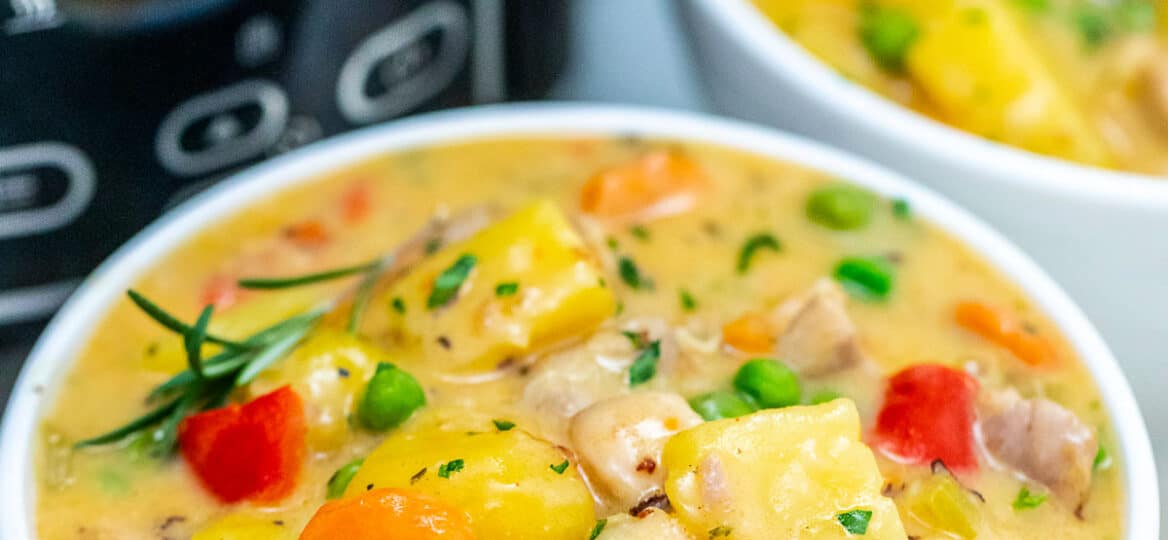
column 928, row 415
column 251, row 452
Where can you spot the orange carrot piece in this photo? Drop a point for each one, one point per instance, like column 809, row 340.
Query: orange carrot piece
column 221, row 291
column 1006, row 331
column 388, row 514
column 356, row 203
column 655, row 185
column 750, row 333
column 309, row 233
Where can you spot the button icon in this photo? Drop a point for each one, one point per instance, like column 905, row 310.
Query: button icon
column 405, row 63
column 222, row 128
column 43, row 186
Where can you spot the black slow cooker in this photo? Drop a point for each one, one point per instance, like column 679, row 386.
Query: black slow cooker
column 111, row 110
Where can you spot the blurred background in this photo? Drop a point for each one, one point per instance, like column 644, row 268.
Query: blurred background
column 127, row 118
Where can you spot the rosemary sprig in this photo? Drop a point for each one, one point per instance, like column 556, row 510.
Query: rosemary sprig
column 306, row 279
column 171, row 322
column 206, row 384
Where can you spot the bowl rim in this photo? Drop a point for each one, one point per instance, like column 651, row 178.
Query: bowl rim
column 744, row 24
column 67, row 333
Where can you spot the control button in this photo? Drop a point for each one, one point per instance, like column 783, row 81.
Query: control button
column 222, row 128
column 404, row 64
column 259, row 40
column 43, row 186
column 24, row 16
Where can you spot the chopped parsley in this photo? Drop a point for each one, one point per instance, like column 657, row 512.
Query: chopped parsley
column 506, row 289
column 450, row 467
column 559, row 467
column 888, row 34
column 688, row 302
column 450, row 280
column 720, row 531
column 612, row 243
column 399, row 305
column 1102, row 459
column 432, row 245
column 597, row 529
column 856, row 521
column 639, row 232
column 901, row 209
column 637, row 338
column 1093, row 26
column 503, row 425
column 645, row 366
column 632, row 275
column 752, row 245
column 869, row 279
column 1027, row 500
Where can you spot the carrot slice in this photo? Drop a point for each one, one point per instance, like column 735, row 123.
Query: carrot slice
column 356, row 203
column 655, row 185
column 386, row 513
column 1006, row 331
column 309, row 233
column 750, row 333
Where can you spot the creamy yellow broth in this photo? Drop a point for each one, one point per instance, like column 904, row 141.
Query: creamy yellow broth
column 116, row 491
column 1076, row 79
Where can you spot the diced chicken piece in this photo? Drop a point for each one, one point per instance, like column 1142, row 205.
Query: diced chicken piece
column 652, row 524
column 1041, row 440
column 619, row 442
column 817, row 336
column 567, row 381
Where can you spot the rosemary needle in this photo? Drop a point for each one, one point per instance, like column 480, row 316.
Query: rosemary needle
column 306, row 279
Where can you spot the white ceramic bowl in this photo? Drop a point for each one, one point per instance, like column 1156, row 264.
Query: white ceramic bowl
column 1103, row 235
column 67, row 333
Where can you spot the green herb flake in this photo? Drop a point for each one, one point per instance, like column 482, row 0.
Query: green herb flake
column 1093, row 26
column 688, row 303
column 339, row 481
column 1033, row 6
column 869, row 279
column 632, row 275
column 506, row 289
column 640, row 232
column 612, row 243
column 1027, row 500
column 503, row 425
column 399, row 305
column 645, row 366
column 1102, row 459
column 720, row 531
column 751, row 247
column 433, row 245
column 637, row 338
column 855, row 521
column 597, row 529
column 560, row 467
column 901, row 209
column 888, row 34
column 450, row 281
column 450, row 467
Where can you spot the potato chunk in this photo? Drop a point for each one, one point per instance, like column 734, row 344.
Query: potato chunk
column 511, row 484
column 559, row 293
column 245, row 527
column 329, row 371
column 782, row 473
column 976, row 62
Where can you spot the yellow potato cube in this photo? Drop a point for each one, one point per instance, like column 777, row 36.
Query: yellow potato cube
column 977, row 64
column 511, row 484
column 245, row 527
column 329, row 372
column 794, row 473
column 654, row 524
column 559, row 293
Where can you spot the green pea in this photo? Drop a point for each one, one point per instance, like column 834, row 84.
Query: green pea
column 841, row 207
column 718, row 405
column 391, row 396
column 339, row 481
column 770, row 383
column 823, row 396
column 888, row 34
column 866, row 278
